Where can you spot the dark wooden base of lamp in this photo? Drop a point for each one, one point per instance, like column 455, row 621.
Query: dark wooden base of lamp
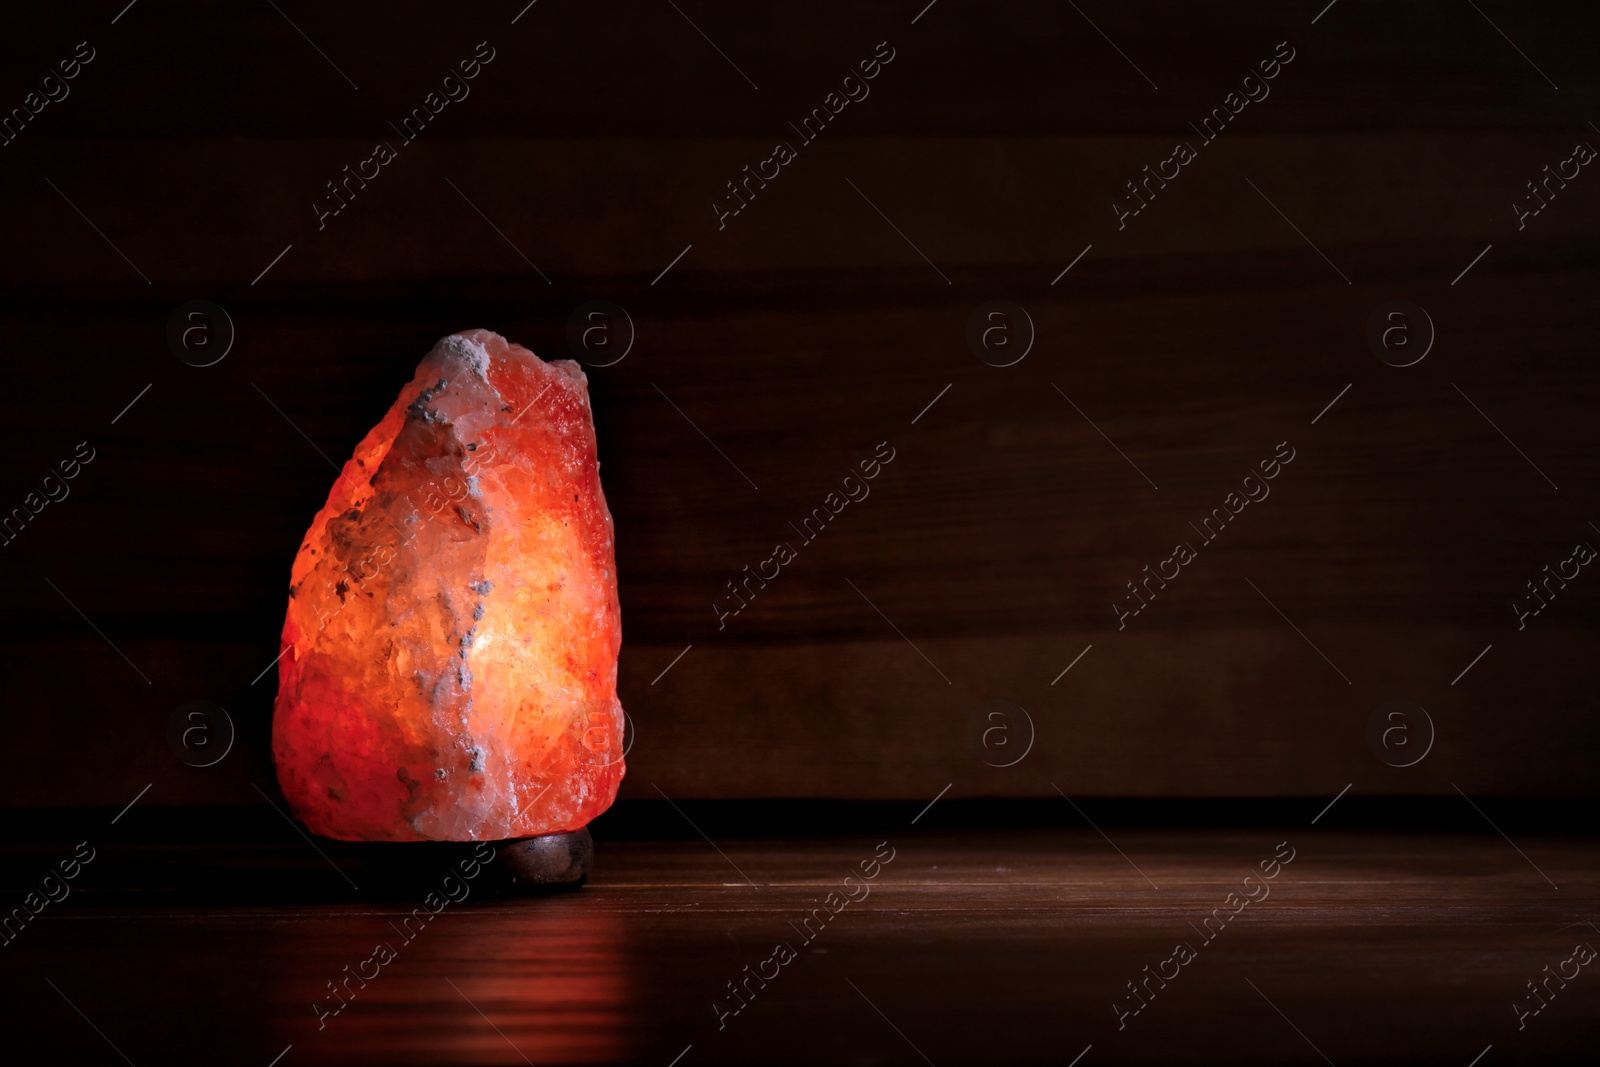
column 548, row 863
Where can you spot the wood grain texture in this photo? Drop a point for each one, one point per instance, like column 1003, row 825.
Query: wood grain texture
column 976, row 947
column 1178, row 353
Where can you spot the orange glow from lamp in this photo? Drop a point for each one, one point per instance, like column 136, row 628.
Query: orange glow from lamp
column 449, row 666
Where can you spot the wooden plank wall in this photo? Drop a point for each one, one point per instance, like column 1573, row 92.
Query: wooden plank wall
column 812, row 327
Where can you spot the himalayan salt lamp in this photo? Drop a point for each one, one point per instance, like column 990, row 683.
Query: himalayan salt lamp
column 449, row 658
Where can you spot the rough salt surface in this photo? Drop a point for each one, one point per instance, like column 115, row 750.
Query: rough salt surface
column 449, row 667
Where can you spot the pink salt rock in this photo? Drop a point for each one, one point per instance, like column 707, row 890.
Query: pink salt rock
column 449, row 667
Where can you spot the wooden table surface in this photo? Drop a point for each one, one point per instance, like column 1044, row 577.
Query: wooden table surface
column 969, row 946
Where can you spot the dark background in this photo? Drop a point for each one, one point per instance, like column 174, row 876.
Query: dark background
column 806, row 332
